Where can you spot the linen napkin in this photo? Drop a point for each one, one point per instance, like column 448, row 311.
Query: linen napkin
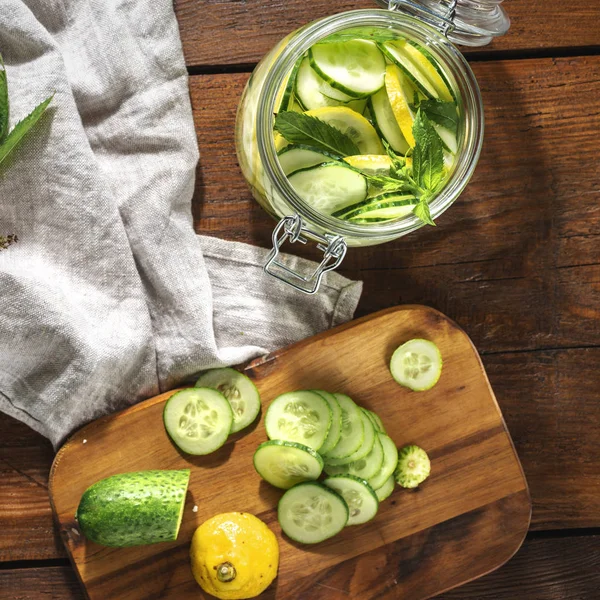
column 109, row 296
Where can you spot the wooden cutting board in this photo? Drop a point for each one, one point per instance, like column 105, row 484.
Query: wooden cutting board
column 467, row 519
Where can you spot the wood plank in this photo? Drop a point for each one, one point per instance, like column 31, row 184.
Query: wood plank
column 25, row 515
column 229, row 32
column 544, row 569
column 476, row 494
column 516, row 261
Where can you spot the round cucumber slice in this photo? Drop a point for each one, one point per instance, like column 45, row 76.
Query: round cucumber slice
column 303, row 417
column 390, row 460
column 335, row 431
column 315, row 92
column 354, row 67
column 363, row 450
column 353, row 124
column 310, row 513
column 363, row 467
column 385, row 491
column 240, row 392
column 417, row 365
column 284, row 464
column 359, row 496
column 377, row 421
column 329, row 187
column 298, row 157
column 413, row 466
column 372, row 419
column 198, row 420
column 385, row 121
column 353, row 433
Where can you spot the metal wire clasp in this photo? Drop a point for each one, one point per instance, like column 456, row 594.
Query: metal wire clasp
column 437, row 13
column 292, row 228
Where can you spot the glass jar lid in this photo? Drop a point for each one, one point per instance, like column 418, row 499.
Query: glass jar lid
column 464, row 22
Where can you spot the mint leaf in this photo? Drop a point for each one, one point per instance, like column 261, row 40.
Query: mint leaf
column 428, row 154
column 388, row 184
column 398, row 162
column 3, row 102
column 442, row 113
column 22, row 128
column 299, row 128
column 422, row 211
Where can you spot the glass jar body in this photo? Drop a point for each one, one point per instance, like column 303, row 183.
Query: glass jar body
column 254, row 126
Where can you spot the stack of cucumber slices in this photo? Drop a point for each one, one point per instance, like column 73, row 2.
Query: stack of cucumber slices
column 315, row 431
column 200, row 419
column 370, row 91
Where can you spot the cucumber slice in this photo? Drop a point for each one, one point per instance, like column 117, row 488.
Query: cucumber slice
column 378, row 421
column 329, row 187
column 372, row 419
column 285, row 98
column 353, row 124
column 303, row 417
column 359, row 496
column 413, row 467
column 386, row 211
column 297, row 157
column 372, row 164
column 310, row 513
column 448, row 138
column 417, row 365
column 352, row 429
column 390, row 205
column 198, row 420
column 284, row 464
column 385, row 491
column 240, row 392
column 385, row 200
column 313, row 92
column 397, row 53
column 385, row 121
column 390, row 461
column 364, row 468
column 335, row 431
column 363, row 450
column 432, row 69
column 401, row 95
column 132, row 509
column 355, row 67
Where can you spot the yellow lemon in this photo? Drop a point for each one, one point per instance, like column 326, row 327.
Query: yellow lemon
column 400, row 94
column 234, row 556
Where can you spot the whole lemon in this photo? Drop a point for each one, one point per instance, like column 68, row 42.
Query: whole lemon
column 234, row 556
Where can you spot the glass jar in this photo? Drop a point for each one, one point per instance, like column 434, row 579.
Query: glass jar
column 432, row 24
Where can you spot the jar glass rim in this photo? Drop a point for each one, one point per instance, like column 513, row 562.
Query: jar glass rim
column 470, row 104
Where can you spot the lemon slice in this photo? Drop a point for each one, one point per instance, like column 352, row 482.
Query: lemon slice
column 428, row 66
column 400, row 93
column 353, row 124
column 373, row 164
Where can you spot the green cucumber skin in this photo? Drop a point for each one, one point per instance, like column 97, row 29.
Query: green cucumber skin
column 133, row 509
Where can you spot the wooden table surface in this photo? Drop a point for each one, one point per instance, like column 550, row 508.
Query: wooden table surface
column 516, row 262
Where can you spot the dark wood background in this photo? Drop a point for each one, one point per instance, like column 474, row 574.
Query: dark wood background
column 516, row 262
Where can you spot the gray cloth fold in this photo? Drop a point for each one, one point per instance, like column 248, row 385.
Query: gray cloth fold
column 109, row 296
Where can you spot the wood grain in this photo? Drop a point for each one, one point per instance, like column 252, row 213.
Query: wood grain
column 229, row 32
column 476, row 498
column 543, row 569
column 516, row 261
column 26, row 524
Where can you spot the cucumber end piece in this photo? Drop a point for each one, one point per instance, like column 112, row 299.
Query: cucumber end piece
column 413, row 467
